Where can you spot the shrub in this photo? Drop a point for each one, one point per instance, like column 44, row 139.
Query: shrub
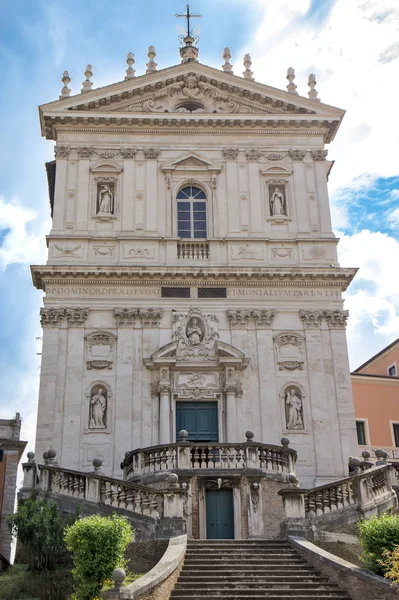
column 21, row 583
column 377, row 535
column 97, row 545
column 390, row 563
column 40, row 529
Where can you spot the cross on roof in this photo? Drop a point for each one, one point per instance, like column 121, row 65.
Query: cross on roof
column 187, row 15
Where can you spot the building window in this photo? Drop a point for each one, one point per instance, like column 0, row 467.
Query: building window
column 361, row 433
column 191, row 212
column 395, row 427
column 392, row 371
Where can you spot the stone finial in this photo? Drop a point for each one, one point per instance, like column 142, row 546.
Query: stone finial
column 183, row 435
column 119, row 577
column 227, row 67
column 249, row 435
column 31, row 457
column 381, row 456
column 87, row 84
column 285, row 442
column 248, row 74
column 51, row 455
column 97, row 464
column 354, row 465
column 130, row 62
column 151, row 65
column 65, row 92
column 291, row 87
column 45, row 457
column 312, row 84
column 366, row 454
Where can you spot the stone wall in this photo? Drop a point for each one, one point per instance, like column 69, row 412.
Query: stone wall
column 359, row 583
column 143, row 556
column 7, row 507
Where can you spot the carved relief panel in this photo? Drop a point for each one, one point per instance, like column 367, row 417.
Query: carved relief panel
column 289, row 351
column 197, row 333
column 100, row 350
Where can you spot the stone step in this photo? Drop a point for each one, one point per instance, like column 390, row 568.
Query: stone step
column 262, row 594
column 247, row 570
column 206, row 573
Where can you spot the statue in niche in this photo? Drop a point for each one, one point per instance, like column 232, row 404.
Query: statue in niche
column 98, row 408
column 294, row 409
column 105, row 200
column 277, row 202
column 194, row 332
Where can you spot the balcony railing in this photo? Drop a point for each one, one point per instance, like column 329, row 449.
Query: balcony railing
column 208, row 457
column 363, row 493
column 193, row 250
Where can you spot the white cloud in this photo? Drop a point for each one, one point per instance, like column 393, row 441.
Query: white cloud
column 21, row 235
column 373, row 301
column 354, row 54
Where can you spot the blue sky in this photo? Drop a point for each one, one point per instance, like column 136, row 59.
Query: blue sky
column 39, row 39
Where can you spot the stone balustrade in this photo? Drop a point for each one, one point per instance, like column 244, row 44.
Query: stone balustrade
column 193, row 250
column 52, row 480
column 367, row 492
column 207, row 457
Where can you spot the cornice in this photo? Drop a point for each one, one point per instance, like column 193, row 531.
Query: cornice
column 221, row 124
column 282, row 277
column 365, row 379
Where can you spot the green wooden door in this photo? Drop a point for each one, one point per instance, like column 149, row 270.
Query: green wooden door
column 200, row 419
column 219, row 515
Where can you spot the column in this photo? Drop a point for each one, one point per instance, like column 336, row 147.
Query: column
column 231, row 405
column 51, row 319
column 318, row 396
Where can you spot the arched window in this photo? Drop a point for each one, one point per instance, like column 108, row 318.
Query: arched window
column 191, row 212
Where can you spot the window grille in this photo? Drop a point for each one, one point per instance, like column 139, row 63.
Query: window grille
column 213, row 292
column 175, row 292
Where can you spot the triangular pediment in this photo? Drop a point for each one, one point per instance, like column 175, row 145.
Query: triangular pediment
column 191, row 161
column 190, row 87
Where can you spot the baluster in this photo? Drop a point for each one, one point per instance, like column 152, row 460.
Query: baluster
column 326, row 500
column 310, row 501
column 195, row 457
column 319, row 502
column 137, row 502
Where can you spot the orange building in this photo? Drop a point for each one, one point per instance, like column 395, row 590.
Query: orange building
column 375, row 386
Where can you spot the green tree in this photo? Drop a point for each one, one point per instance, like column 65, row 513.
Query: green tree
column 378, row 535
column 97, row 545
column 40, row 529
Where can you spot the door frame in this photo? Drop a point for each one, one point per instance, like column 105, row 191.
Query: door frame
column 203, row 485
column 217, row 397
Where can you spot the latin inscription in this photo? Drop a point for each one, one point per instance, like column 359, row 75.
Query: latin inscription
column 102, row 291
column 281, row 293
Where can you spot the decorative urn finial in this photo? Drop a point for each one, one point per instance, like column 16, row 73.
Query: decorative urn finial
column 151, row 65
column 130, row 62
column 312, row 84
column 291, row 87
column 248, row 74
column 227, row 67
column 66, row 80
column 87, row 84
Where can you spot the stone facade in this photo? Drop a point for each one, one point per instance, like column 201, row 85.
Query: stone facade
column 11, row 449
column 137, row 317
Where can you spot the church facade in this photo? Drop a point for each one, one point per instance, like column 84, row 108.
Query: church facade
column 192, row 281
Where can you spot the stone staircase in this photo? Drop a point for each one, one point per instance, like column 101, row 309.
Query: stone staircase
column 238, row 570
